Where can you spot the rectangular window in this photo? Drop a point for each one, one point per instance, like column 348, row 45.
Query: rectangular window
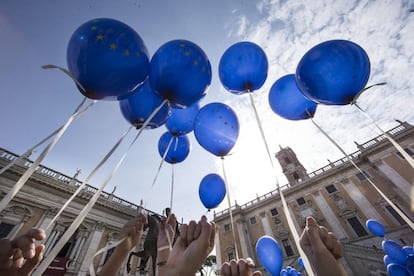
column 227, row 228
column 230, row 256
column 395, row 215
column 295, row 176
column 301, row 201
column 331, row 189
column 357, row 226
column 362, row 176
column 288, row 248
column 407, row 150
column 5, row 229
column 253, row 220
column 274, row 212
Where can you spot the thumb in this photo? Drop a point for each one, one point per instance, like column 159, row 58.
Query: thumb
column 314, row 235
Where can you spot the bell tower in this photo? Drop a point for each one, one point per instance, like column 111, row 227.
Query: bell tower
column 291, row 167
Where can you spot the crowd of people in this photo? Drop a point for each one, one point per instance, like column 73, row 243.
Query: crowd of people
column 20, row 256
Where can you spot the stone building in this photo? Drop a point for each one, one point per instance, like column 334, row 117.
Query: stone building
column 42, row 197
column 339, row 196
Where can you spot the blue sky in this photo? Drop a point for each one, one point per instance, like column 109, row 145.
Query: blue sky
column 34, row 102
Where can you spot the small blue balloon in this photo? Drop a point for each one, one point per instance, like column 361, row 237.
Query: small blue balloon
column 375, row 227
column 408, row 250
column 397, row 270
column 270, row 255
column 178, row 150
column 293, row 272
column 300, row 262
column 287, row 101
column 284, row 272
column 216, row 128
column 212, row 190
column 394, row 251
column 181, row 120
column 243, row 67
column 138, row 107
column 388, row 260
column 108, row 58
column 333, row 72
column 180, row 72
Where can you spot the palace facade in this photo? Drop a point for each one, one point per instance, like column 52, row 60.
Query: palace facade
column 339, row 196
column 39, row 200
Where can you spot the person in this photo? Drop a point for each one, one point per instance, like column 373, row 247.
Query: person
column 322, row 248
column 20, row 256
column 241, row 267
column 131, row 234
column 191, row 249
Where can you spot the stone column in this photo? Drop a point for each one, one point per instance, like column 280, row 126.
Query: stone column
column 329, row 215
column 402, row 186
column 363, row 204
column 266, row 224
column 217, row 245
column 49, row 214
column 91, row 250
column 244, row 238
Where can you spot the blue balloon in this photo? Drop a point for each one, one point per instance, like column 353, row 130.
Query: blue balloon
column 243, row 67
column 284, row 272
column 270, row 255
column 394, row 251
column 180, row 72
column 333, row 72
column 287, row 101
column 216, row 128
column 375, row 227
column 293, row 272
column 181, row 120
column 397, row 270
column 179, row 147
column 108, row 58
column 300, row 262
column 137, row 107
column 408, row 250
column 388, row 260
column 212, row 190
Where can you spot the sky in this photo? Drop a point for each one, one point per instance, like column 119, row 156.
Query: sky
column 35, row 102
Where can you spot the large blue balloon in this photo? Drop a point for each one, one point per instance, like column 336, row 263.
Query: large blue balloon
column 333, row 72
column 394, row 251
column 243, row 67
column 181, row 120
column 178, row 150
column 216, row 128
column 138, row 107
column 180, row 72
column 300, row 262
column 212, row 190
column 270, row 255
column 108, row 58
column 375, row 227
column 287, row 101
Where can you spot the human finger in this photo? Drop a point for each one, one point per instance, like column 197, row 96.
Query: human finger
column 325, row 237
column 190, row 232
column 242, row 267
column 26, row 242
column 17, row 259
column 184, row 230
column 234, row 268
column 225, row 269
column 212, row 237
column 30, row 264
column 206, row 232
column 337, row 249
column 313, row 231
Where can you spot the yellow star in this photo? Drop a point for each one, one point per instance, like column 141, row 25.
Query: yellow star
column 93, row 28
column 182, row 45
column 195, row 62
column 187, row 53
column 203, row 69
column 113, row 46
column 126, row 52
column 137, row 53
column 99, row 37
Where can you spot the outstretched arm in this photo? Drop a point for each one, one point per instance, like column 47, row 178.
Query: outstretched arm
column 322, row 248
column 131, row 233
column 191, row 249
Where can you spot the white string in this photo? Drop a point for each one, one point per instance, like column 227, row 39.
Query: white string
column 407, row 157
column 19, row 184
column 75, row 224
column 288, row 216
column 230, row 212
column 172, row 186
column 404, row 216
column 162, row 161
column 84, row 183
